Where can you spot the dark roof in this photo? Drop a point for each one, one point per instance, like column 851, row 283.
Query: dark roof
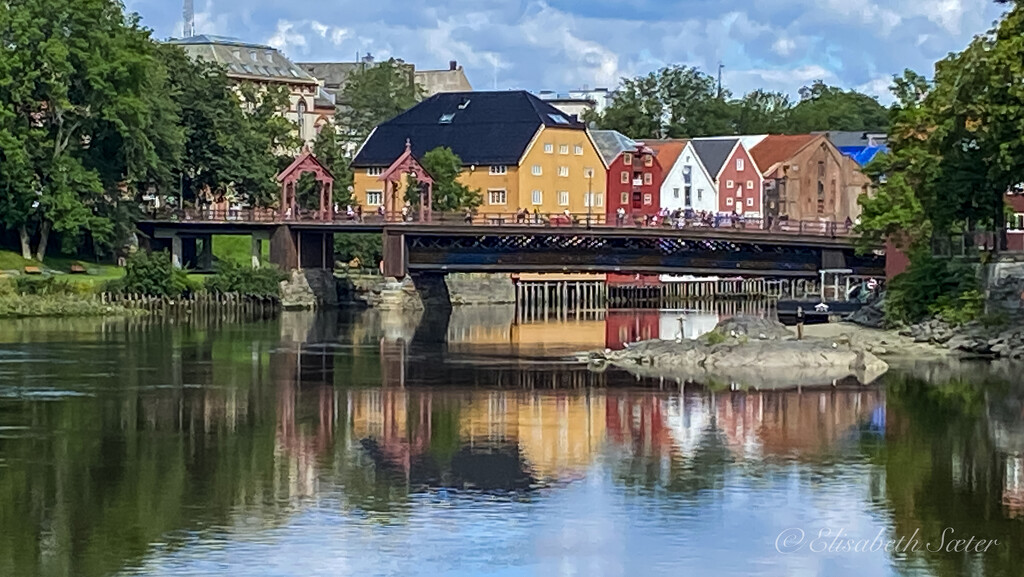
column 484, row 128
column 841, row 138
column 714, row 152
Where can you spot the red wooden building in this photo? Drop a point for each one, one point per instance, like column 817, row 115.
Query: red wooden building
column 634, row 177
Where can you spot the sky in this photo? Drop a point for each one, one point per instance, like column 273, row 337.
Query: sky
column 568, row 44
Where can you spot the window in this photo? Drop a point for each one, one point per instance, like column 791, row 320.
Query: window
column 549, row 148
column 253, row 57
column 300, row 111
column 728, row 184
column 675, row 193
column 496, row 196
column 558, row 119
column 374, row 197
column 750, row 201
column 739, row 164
column 563, row 149
column 624, row 198
column 446, row 119
column 596, row 197
column 563, row 198
column 648, row 199
column 538, row 197
column 563, row 171
column 728, row 201
column 688, row 201
column 625, row 177
column 739, row 192
column 578, row 150
column 627, row 158
column 648, row 178
column 374, row 171
column 499, row 169
column 537, row 171
column 648, row 160
column 588, row 173
column 599, row 197
column 750, row 185
column 821, row 170
column 700, row 194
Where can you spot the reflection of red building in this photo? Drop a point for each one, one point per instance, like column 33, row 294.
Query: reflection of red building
column 638, row 421
column 630, row 327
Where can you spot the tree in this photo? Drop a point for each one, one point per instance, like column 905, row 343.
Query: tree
column 444, row 166
column 762, row 112
column 329, row 149
column 91, row 119
column 374, row 95
column 824, row 107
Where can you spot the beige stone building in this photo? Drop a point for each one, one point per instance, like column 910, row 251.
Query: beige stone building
column 310, row 107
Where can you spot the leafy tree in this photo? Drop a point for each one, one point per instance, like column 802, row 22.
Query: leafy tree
column 374, row 95
column 444, row 166
column 234, row 277
column 151, row 274
column 824, row 107
column 329, row 149
column 368, row 249
column 762, row 112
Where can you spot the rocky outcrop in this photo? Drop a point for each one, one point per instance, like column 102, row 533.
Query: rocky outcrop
column 977, row 340
column 749, row 352
column 934, row 331
column 309, row 289
column 480, row 288
column 871, row 315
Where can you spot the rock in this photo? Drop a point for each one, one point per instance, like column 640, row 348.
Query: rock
column 1000, row 348
column 871, row 315
column 943, row 338
column 879, row 351
column 765, row 329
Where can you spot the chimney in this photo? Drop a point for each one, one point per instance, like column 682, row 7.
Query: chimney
column 453, row 65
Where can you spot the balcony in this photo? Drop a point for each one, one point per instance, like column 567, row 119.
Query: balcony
column 638, row 182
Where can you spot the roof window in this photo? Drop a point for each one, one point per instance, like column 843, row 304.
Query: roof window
column 464, row 105
column 446, row 118
column 558, row 118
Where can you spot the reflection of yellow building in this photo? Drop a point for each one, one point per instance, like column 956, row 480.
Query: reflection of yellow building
column 584, row 334
column 516, row 149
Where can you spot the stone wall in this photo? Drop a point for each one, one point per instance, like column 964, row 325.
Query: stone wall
column 453, row 289
column 1004, row 285
column 480, row 289
column 309, row 289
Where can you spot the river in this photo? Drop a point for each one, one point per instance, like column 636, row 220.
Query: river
column 386, row 444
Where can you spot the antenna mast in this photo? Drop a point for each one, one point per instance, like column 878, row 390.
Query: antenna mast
column 188, row 12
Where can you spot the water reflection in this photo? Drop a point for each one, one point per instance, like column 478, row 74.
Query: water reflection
column 338, row 444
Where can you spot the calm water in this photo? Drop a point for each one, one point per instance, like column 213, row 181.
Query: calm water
column 387, row 445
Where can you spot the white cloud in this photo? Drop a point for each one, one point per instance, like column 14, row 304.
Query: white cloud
column 287, row 37
column 784, row 46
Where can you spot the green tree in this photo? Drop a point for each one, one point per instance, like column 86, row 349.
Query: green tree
column 374, row 95
column 329, row 148
column 444, row 166
column 824, row 107
column 762, row 112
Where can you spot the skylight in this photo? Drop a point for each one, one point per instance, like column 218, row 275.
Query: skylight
column 446, row 118
column 558, row 118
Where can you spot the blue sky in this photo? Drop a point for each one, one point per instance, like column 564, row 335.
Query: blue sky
column 565, row 44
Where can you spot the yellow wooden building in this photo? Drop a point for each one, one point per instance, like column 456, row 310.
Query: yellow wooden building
column 516, row 149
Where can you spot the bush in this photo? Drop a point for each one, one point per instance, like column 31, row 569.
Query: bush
column 43, row 286
column 232, row 277
column 152, row 274
column 368, row 248
column 932, row 286
column 959, row 310
column 715, row 338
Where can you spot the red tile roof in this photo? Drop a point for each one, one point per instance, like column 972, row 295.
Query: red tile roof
column 667, row 151
column 777, row 148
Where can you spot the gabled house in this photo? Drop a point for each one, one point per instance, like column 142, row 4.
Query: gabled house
column 518, row 150
column 862, row 147
column 687, row 184
column 808, row 178
column 737, row 180
column 633, row 171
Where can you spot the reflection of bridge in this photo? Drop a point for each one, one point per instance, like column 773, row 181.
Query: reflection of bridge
column 508, row 245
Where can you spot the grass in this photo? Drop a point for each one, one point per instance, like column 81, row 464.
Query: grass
column 96, row 274
column 236, row 248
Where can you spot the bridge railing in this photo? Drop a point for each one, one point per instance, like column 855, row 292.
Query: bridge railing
column 512, row 219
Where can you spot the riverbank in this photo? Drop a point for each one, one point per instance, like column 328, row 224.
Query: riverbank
column 31, row 306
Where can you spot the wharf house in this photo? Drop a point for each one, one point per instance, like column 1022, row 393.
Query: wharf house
column 735, row 178
column 634, row 175
column 310, row 107
column 517, row 150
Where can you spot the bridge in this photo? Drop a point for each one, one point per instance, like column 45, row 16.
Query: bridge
column 506, row 242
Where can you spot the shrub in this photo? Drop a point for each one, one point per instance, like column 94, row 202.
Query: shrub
column 960, row 310
column 368, row 248
column 44, row 286
column 715, row 338
column 930, row 286
column 152, row 274
column 232, row 277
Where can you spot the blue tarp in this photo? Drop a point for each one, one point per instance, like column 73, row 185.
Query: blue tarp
column 863, row 154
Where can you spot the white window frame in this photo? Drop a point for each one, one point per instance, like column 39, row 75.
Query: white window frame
column 728, row 184
column 563, row 171
column 648, row 178
column 599, row 196
column 563, row 149
column 372, row 195
column 588, row 173
column 596, row 197
column 750, row 185
column 578, row 150
column 624, row 198
column 728, row 201
column 563, row 198
column 648, row 160
column 739, row 165
column 700, row 194
column 739, row 192
column 537, row 170
column 648, row 199
column 750, row 201
column 537, row 197
column 627, row 158
column 549, row 148
column 499, row 169
column 374, row 171
column 491, row 192
column 625, row 177
column 675, row 193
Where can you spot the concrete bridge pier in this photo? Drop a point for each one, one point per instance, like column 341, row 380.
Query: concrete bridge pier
column 308, row 257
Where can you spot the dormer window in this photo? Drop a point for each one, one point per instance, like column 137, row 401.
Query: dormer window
column 446, row 118
column 464, row 105
column 558, row 119
column 252, row 56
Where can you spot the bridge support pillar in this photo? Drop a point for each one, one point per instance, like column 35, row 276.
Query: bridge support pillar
column 395, row 255
column 284, row 251
column 204, row 256
column 176, row 250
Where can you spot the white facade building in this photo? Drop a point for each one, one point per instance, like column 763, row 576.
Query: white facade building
column 687, row 184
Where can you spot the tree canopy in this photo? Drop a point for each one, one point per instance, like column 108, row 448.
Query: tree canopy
column 374, row 95
column 444, row 166
column 684, row 102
